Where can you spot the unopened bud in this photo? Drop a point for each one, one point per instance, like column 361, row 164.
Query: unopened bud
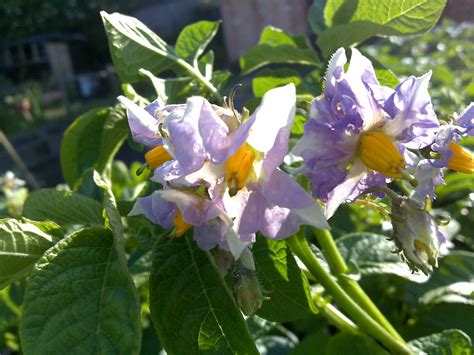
column 416, row 234
column 247, row 290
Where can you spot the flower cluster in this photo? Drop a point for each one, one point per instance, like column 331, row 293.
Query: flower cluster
column 220, row 169
column 362, row 135
column 369, row 126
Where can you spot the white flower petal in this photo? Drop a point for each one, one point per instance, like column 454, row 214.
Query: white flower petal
column 276, row 111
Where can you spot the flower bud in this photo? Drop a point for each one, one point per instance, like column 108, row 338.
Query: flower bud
column 416, row 234
column 247, row 290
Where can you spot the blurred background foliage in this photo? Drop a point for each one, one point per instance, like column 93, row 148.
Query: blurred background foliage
column 447, row 51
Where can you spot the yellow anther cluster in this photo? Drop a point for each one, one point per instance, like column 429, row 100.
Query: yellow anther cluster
column 157, row 156
column 238, row 167
column 462, row 160
column 180, row 225
column 378, row 153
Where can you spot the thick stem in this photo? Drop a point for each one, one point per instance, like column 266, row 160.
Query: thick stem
column 300, row 247
column 339, row 319
column 353, row 289
column 335, row 316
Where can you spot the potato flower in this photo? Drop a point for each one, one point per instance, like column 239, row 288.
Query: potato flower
column 220, row 171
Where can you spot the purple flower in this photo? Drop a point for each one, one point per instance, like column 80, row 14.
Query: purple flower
column 223, row 174
column 270, row 200
column 452, row 155
column 143, row 122
column 185, row 209
column 429, row 172
column 358, row 130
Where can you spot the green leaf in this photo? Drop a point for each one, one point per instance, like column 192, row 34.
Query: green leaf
column 282, row 279
column 206, row 64
column 259, row 327
column 268, row 79
column 92, row 141
column 337, row 12
column 298, row 124
column 79, row 299
column 194, row 38
column 451, row 341
column 276, row 46
column 315, row 16
column 372, row 253
column 114, row 132
column 314, row 340
column 386, row 77
column 81, row 143
column 134, row 46
column 220, row 78
column 457, row 187
column 344, row 343
column 114, row 220
column 21, row 245
column 48, row 227
column 349, row 26
column 451, row 282
column 62, row 207
column 191, row 307
column 274, row 344
column 171, row 90
column 438, row 317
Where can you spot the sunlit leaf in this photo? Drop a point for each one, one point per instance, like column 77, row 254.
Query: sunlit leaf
column 80, row 299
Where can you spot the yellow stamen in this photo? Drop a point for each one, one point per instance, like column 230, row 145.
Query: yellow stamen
column 238, row 167
column 157, row 156
column 180, row 225
column 378, row 153
column 462, row 159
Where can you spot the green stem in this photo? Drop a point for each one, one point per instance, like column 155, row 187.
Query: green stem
column 352, row 287
column 5, row 296
column 335, row 316
column 300, row 247
column 196, row 74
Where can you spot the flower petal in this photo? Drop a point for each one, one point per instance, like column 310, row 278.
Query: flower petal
column 275, row 221
column 195, row 210
column 336, row 63
column 185, row 137
column 156, row 209
column 345, row 189
column 142, row 122
column 466, row 119
column 276, row 112
column 282, row 190
column 207, row 236
column 214, row 133
column 323, row 181
column 315, row 149
column 445, row 135
column 414, row 121
column 428, row 177
column 236, row 244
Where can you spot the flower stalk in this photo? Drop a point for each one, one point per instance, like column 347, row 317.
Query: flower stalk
column 300, row 247
column 335, row 316
column 339, row 268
